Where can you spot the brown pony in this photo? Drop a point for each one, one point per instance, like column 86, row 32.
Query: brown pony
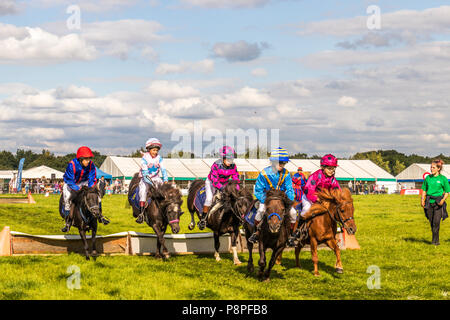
column 333, row 207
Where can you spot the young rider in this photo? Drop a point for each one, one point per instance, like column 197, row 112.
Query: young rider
column 273, row 177
column 321, row 179
column 80, row 172
column 151, row 166
column 218, row 178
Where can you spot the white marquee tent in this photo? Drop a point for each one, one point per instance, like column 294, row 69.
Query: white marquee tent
column 41, row 171
column 415, row 173
column 189, row 169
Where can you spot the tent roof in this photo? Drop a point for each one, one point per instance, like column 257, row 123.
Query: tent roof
column 7, row 174
column 41, row 171
column 101, row 173
column 199, row 168
column 416, row 171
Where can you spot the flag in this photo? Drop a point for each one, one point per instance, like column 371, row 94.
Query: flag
column 19, row 175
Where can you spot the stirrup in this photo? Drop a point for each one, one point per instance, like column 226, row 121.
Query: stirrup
column 104, row 220
column 202, row 224
column 253, row 238
column 140, row 218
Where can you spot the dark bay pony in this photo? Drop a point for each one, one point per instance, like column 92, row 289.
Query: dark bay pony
column 275, row 230
column 85, row 210
column 225, row 218
column 163, row 210
column 334, row 207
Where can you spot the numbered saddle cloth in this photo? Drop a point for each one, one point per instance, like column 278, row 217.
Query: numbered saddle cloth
column 250, row 216
column 134, row 198
column 200, row 198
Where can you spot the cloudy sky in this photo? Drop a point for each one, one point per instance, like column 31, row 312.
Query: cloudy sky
column 326, row 75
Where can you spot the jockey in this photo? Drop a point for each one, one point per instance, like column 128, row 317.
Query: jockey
column 80, row 172
column 218, row 178
column 321, row 179
column 299, row 182
column 274, row 175
column 151, row 165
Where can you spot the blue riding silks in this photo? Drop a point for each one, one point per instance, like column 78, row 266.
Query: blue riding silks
column 200, row 199
column 250, row 216
column 134, row 199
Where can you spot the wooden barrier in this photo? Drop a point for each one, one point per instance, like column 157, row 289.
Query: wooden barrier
column 133, row 243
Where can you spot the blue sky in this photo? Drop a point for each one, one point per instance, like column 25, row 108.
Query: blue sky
column 310, row 69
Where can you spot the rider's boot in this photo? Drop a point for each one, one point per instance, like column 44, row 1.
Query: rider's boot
column 294, row 235
column 68, row 221
column 101, row 218
column 202, row 222
column 140, row 218
column 255, row 236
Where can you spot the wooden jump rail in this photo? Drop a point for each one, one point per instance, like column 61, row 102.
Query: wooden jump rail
column 123, row 243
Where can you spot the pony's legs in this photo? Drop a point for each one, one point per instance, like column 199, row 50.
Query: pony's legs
column 262, row 259
column 250, row 267
column 315, row 257
column 234, row 236
column 159, row 240
column 191, row 225
column 298, row 249
column 165, row 251
column 94, row 240
column 216, row 246
column 275, row 255
column 86, row 246
column 279, row 258
column 333, row 246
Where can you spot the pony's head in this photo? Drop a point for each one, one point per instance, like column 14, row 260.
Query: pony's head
column 277, row 207
column 341, row 203
column 170, row 200
column 90, row 199
column 243, row 201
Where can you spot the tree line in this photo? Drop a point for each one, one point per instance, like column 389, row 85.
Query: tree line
column 390, row 160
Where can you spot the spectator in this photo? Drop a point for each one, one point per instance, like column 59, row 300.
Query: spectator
column 102, row 185
column 366, row 188
column 350, row 185
column 383, row 189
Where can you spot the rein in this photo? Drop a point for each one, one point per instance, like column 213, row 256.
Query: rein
column 339, row 220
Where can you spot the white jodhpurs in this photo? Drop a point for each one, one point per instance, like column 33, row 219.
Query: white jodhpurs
column 306, row 204
column 210, row 191
column 157, row 181
column 67, row 192
column 262, row 209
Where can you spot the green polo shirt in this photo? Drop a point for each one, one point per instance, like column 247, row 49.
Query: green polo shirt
column 435, row 186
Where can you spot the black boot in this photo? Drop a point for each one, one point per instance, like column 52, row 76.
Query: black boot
column 202, row 222
column 68, row 222
column 140, row 218
column 104, row 220
column 254, row 237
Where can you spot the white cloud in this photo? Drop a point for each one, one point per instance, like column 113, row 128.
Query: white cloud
column 245, row 97
column 34, row 45
column 8, row 7
column 226, row 3
column 73, row 92
column 170, row 90
column 203, row 66
column 259, row 72
column 346, row 101
column 239, row 51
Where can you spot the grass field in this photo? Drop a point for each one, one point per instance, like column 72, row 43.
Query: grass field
column 392, row 232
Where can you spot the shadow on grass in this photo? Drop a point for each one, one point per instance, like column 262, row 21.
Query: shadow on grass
column 417, row 240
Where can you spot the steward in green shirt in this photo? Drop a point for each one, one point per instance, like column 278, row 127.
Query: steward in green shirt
column 435, row 186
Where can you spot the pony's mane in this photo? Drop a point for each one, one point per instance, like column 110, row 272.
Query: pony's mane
column 275, row 194
column 244, row 192
column 335, row 195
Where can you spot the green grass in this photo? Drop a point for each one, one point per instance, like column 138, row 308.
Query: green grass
column 392, row 232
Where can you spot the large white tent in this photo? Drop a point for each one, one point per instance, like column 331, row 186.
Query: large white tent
column 42, row 172
column 189, row 169
column 412, row 176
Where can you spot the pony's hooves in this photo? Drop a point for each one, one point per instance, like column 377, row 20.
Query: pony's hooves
column 87, row 258
column 94, row 254
column 237, row 262
column 218, row 259
column 191, row 227
column 316, row 274
column 266, row 280
column 166, row 256
column 339, row 270
column 250, row 269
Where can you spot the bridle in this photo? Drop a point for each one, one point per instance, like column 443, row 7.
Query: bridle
column 163, row 209
column 339, row 219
